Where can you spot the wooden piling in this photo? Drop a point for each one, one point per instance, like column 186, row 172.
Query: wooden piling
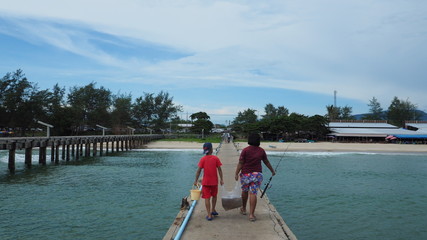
column 11, row 163
column 28, row 154
column 91, row 144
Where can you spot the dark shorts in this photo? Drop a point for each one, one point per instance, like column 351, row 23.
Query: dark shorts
column 209, row 191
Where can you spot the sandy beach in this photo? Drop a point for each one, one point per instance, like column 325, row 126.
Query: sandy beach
column 304, row 147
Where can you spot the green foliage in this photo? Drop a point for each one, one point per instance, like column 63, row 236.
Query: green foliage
column 273, row 112
column 375, row 110
column 153, row 112
column 213, row 138
column 279, row 124
column 246, row 121
column 339, row 113
column 399, row 111
column 89, row 105
column 201, row 123
column 22, row 103
column 122, row 108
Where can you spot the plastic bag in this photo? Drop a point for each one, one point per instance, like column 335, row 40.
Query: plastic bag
column 233, row 199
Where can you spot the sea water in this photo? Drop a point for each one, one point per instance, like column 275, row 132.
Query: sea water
column 128, row 195
column 352, row 195
column 137, row 194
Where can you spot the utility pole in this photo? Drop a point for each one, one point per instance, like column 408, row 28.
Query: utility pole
column 335, row 98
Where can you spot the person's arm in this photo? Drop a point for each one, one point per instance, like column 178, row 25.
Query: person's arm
column 239, row 165
column 221, row 181
column 238, row 169
column 268, row 164
column 197, row 176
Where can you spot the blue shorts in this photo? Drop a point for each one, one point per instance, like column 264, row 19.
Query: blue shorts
column 251, row 182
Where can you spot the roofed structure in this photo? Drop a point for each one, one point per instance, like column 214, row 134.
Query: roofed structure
column 372, row 131
column 419, row 126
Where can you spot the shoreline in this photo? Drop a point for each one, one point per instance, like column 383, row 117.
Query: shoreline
column 303, row 147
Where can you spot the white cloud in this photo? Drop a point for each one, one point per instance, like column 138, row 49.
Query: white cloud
column 360, row 48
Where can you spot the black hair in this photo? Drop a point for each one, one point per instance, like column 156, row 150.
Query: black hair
column 254, row 139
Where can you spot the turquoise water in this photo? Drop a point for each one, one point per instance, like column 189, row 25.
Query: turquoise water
column 131, row 195
column 352, row 195
column 137, row 194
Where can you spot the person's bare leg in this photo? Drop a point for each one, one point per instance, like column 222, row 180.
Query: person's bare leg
column 208, row 207
column 244, row 202
column 214, row 204
column 252, row 206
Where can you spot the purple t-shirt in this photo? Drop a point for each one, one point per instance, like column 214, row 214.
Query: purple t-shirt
column 251, row 158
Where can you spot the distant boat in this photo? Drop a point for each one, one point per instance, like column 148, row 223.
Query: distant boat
column 271, row 146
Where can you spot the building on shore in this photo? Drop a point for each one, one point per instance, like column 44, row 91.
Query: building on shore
column 376, row 131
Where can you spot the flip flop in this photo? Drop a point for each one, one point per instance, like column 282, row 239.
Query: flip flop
column 252, row 219
column 215, row 214
column 242, row 212
column 208, row 218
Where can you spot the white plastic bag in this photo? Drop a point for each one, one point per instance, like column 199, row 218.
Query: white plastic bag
column 233, row 199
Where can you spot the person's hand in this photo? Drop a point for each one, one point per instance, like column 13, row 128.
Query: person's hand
column 236, row 177
column 195, row 183
column 221, row 182
column 273, row 173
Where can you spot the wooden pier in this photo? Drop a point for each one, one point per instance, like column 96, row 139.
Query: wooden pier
column 67, row 147
column 231, row 225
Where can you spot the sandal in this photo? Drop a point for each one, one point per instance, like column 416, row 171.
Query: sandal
column 252, row 219
column 214, row 213
column 208, row 218
column 242, row 212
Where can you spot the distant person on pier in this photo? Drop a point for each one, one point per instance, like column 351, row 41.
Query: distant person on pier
column 249, row 169
column 211, row 166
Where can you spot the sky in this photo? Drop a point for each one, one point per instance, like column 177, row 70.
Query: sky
column 223, row 57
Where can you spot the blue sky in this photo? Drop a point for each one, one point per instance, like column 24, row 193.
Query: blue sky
column 222, row 57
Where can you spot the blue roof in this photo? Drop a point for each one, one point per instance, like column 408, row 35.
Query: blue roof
column 411, row 136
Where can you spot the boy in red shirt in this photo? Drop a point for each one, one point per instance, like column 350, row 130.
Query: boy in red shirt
column 209, row 163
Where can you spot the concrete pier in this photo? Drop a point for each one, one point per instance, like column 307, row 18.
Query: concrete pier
column 230, row 225
column 127, row 142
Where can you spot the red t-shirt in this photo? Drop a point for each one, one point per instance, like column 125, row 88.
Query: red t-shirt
column 251, row 158
column 210, row 163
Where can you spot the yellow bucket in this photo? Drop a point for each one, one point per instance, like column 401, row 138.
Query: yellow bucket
column 195, row 192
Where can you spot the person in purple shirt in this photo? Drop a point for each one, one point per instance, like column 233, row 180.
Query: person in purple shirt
column 249, row 169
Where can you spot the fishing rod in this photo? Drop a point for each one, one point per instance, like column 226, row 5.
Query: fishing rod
column 275, row 170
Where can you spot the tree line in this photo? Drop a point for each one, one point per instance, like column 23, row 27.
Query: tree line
column 22, row 104
column 278, row 124
column 396, row 114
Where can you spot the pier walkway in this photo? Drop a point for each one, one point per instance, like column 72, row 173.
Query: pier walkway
column 230, row 225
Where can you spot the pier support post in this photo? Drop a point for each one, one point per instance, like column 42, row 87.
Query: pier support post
column 73, row 149
column 57, row 151
column 11, row 163
column 42, row 153
column 68, row 151
column 63, row 149
column 101, row 146
column 52, row 152
column 78, row 150
column 28, row 156
column 87, row 149
column 95, row 147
